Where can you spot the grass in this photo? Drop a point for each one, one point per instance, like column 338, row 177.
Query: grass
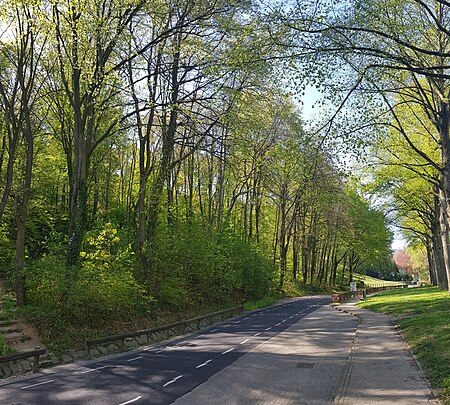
column 374, row 282
column 424, row 318
column 263, row 302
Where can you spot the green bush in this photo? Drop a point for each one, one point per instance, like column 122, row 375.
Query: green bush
column 104, row 288
column 194, row 264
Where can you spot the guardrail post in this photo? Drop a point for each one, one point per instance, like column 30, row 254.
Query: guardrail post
column 36, row 363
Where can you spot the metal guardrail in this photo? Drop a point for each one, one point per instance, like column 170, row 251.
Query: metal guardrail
column 121, row 338
column 25, row 355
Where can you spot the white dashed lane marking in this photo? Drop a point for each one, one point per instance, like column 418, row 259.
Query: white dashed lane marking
column 135, row 358
column 35, row 385
column 204, row 364
column 93, row 369
column 131, row 401
column 244, row 341
column 227, row 351
column 172, row 381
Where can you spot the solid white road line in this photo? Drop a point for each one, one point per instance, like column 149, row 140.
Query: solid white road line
column 93, row 369
column 35, row 385
column 172, row 381
column 227, row 351
column 131, row 400
column 135, row 358
column 204, row 364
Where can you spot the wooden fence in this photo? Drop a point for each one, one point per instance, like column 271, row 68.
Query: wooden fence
column 25, row 355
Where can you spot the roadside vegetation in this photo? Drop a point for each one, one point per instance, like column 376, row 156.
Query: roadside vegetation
column 155, row 163
column 423, row 315
column 154, row 166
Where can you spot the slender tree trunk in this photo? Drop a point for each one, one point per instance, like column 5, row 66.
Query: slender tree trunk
column 431, row 264
column 21, row 220
column 221, row 178
column 295, row 250
column 282, row 241
column 13, row 139
column 168, row 141
column 444, row 227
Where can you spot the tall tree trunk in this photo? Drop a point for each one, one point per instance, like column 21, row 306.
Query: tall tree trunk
column 295, row 250
column 282, row 241
column 21, row 220
column 431, row 264
column 13, row 138
column 445, row 242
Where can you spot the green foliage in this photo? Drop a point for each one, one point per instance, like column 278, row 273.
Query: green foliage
column 104, row 290
column 196, row 265
column 261, row 303
column 105, row 286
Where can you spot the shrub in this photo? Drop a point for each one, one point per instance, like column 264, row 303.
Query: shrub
column 103, row 290
column 105, row 286
column 194, row 264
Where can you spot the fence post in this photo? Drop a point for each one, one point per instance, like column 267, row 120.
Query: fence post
column 36, row 363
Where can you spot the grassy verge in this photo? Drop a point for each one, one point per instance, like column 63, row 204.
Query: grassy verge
column 263, row 302
column 424, row 318
column 374, row 282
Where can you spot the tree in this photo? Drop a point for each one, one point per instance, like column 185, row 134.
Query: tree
column 397, row 50
column 19, row 91
column 86, row 69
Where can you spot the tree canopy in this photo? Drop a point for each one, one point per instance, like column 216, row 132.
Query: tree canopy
column 153, row 157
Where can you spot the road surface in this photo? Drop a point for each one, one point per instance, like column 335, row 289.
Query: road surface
column 163, row 374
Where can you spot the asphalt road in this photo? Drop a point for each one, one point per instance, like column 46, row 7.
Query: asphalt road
column 159, row 375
